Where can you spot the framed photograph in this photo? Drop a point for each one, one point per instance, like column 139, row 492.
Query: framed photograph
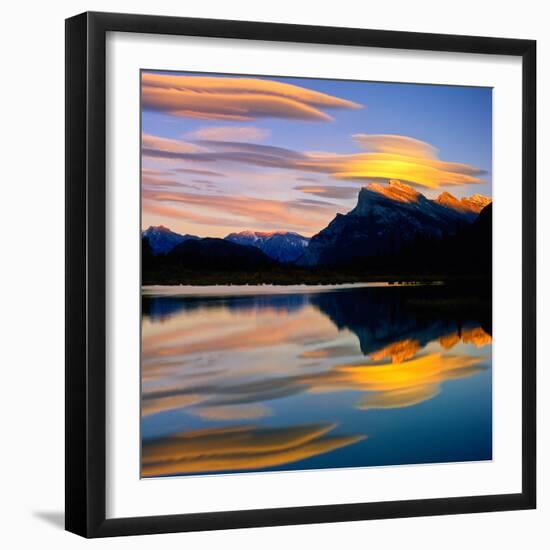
column 300, row 274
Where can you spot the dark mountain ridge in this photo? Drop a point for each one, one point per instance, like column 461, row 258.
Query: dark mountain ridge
column 217, row 254
column 387, row 222
column 200, row 259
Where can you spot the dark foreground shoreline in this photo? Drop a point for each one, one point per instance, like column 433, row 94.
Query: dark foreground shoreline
column 297, row 276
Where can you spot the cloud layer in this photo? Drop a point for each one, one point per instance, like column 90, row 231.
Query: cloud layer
column 238, row 99
column 236, row 210
column 199, row 172
column 395, row 144
column 230, row 133
column 161, row 145
column 390, row 157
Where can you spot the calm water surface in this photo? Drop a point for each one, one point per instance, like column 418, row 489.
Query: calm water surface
column 291, row 380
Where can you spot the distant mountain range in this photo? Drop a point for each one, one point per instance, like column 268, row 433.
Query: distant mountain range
column 162, row 240
column 283, row 246
column 393, row 229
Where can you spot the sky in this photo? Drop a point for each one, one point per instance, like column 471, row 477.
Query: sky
column 227, row 153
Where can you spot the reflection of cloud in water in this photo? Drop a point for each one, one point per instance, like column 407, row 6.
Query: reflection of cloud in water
column 254, row 334
column 400, row 398
column 238, row 448
column 226, row 360
column 329, row 352
column 154, row 405
column 229, row 412
column 181, row 361
column 398, row 385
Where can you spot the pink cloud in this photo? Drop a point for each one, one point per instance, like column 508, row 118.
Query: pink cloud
column 239, row 99
column 230, row 133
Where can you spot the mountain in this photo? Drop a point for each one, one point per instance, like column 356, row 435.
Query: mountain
column 394, row 232
column 216, row 254
column 476, row 203
column 389, row 222
column 472, row 205
column 472, row 248
column 206, row 261
column 283, row 246
column 162, row 240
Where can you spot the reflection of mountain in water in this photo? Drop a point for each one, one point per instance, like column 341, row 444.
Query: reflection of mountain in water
column 389, row 321
column 412, row 316
column 159, row 308
column 219, row 374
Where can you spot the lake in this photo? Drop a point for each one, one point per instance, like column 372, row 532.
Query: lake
column 251, row 379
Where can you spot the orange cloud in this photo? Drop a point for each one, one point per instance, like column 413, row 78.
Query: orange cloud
column 230, row 133
column 421, row 171
column 433, row 368
column 166, row 145
column 396, row 145
column 239, row 99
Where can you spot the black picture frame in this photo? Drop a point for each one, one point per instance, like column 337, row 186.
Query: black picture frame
column 86, row 279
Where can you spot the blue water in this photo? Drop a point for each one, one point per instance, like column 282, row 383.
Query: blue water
column 292, row 381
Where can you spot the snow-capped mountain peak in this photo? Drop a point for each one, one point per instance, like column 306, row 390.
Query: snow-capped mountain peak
column 162, row 240
column 283, row 246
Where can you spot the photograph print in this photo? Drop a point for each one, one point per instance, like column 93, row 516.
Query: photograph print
column 316, row 274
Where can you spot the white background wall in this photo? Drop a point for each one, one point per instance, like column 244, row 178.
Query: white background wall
column 31, row 277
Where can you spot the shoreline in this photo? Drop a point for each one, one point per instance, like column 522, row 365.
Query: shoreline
column 215, row 290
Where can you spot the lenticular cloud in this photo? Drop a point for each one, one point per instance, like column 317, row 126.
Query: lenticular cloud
column 240, row 99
